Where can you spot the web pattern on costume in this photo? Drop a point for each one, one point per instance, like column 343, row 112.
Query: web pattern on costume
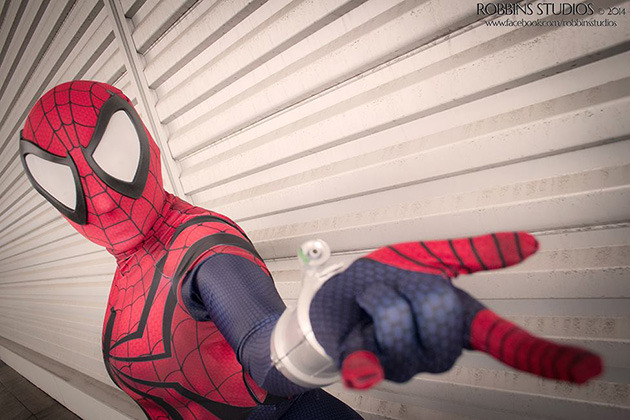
column 170, row 375
column 62, row 122
column 172, row 365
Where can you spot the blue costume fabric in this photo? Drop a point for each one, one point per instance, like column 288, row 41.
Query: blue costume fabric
column 241, row 299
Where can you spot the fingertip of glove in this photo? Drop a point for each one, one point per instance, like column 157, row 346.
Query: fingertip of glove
column 528, row 244
column 586, row 369
column 361, row 370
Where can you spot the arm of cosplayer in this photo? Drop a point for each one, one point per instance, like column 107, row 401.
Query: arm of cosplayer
column 241, row 299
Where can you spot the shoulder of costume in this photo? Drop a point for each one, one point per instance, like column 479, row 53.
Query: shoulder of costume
column 201, row 234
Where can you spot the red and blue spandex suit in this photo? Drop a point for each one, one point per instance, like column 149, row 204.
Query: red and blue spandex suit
column 192, row 305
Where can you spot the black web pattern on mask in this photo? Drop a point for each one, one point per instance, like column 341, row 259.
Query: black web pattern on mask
column 61, row 124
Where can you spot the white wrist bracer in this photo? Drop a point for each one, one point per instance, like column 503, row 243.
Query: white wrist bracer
column 295, row 351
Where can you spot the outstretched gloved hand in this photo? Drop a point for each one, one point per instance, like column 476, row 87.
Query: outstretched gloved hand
column 395, row 313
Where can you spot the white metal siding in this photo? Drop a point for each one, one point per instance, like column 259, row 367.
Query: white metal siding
column 363, row 123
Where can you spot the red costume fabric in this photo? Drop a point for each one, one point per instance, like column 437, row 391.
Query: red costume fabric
column 171, row 365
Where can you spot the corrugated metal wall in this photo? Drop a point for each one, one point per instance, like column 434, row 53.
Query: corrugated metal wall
column 363, row 123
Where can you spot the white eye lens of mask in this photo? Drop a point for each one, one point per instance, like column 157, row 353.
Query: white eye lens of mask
column 118, row 151
column 55, row 178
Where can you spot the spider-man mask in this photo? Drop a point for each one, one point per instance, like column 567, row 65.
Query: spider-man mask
column 85, row 149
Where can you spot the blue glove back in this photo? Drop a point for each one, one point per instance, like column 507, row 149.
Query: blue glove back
column 412, row 321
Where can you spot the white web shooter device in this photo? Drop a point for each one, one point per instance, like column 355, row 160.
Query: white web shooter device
column 295, row 351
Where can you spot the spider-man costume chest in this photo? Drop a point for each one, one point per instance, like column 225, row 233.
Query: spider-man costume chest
column 172, row 365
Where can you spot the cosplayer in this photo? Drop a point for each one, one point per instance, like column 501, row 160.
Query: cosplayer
column 195, row 328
